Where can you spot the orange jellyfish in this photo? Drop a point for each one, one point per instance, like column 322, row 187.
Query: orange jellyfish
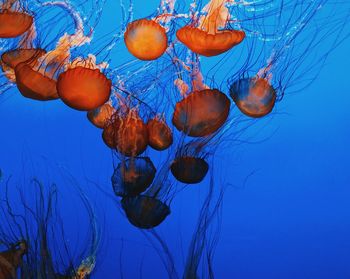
column 201, row 113
column 133, row 176
column 146, row 39
column 11, row 259
column 83, row 88
column 160, row 136
column 14, row 57
column 211, row 38
column 189, row 170
column 14, row 24
column 145, row 212
column 127, row 133
column 254, row 97
column 101, row 115
column 35, row 85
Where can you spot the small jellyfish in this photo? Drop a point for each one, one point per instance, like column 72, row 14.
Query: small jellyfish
column 11, row 259
column 133, row 176
column 14, row 23
column 146, row 39
column 35, row 85
column 189, row 170
column 100, row 116
column 10, row 59
column 201, row 113
column 160, row 136
column 82, row 88
column 127, row 133
column 210, row 37
column 254, row 97
column 145, row 212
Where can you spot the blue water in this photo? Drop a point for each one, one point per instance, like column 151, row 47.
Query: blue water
column 287, row 215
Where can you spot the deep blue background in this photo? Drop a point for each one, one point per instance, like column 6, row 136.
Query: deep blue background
column 290, row 220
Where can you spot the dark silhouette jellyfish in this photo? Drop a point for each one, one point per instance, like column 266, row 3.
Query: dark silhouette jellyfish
column 101, row 115
column 11, row 259
column 14, row 23
column 82, row 88
column 201, row 113
column 133, row 176
column 189, row 170
column 127, row 133
column 254, row 97
column 145, row 212
column 146, row 39
column 34, row 85
column 210, row 38
column 160, row 136
column 14, row 57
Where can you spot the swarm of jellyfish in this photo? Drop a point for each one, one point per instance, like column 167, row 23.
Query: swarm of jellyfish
column 161, row 110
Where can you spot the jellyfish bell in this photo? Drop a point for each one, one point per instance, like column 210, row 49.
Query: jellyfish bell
column 211, row 37
column 14, row 23
column 133, row 176
column 127, row 133
column 12, row 58
column 146, row 39
column 201, row 113
column 160, row 136
column 83, row 88
column 189, row 170
column 11, row 259
column 254, row 97
column 100, row 116
column 33, row 84
column 145, row 212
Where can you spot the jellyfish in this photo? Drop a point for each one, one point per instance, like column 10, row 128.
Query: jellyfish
column 133, row 176
column 127, row 133
column 14, row 57
column 145, row 212
column 210, row 38
column 160, row 136
column 254, row 97
column 201, row 113
column 100, row 116
column 189, row 170
column 83, row 89
column 13, row 23
column 11, row 259
column 146, row 39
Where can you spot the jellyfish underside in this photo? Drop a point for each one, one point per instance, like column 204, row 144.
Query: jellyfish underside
column 11, row 259
column 14, row 57
column 14, row 24
column 34, row 85
column 189, row 170
column 145, row 212
column 201, row 113
column 254, row 97
column 83, row 88
column 133, row 176
column 145, row 39
column 208, row 39
column 100, row 116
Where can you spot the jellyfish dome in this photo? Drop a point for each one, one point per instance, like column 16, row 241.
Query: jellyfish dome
column 14, row 57
column 145, row 212
column 133, row 176
column 146, row 39
column 33, row 84
column 189, row 170
column 201, row 113
column 254, row 97
column 127, row 134
column 101, row 115
column 160, row 136
column 83, row 88
column 14, row 24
